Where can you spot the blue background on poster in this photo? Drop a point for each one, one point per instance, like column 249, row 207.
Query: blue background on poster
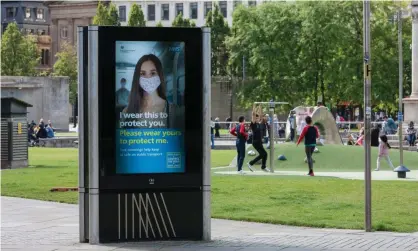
column 135, row 158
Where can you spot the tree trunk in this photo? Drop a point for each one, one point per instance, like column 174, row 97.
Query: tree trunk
column 316, row 88
column 322, row 90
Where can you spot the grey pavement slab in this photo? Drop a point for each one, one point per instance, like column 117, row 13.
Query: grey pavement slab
column 39, row 225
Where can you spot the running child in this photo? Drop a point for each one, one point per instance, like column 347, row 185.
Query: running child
column 310, row 133
column 384, row 152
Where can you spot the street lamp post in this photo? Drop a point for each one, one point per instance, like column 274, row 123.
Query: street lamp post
column 367, row 112
column 272, row 130
column 400, row 114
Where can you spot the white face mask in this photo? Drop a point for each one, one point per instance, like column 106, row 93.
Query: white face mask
column 150, row 84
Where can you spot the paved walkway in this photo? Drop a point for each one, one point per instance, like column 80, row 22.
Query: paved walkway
column 37, row 225
column 376, row 175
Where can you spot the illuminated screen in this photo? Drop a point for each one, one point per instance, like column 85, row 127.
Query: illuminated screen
column 149, row 95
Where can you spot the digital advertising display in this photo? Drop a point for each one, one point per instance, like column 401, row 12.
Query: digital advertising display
column 150, row 107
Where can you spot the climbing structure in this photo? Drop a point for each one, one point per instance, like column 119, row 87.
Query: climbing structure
column 322, row 118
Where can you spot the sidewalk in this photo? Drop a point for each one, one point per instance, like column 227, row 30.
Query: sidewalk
column 37, row 225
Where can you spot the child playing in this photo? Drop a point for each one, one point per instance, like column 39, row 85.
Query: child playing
column 384, row 152
column 242, row 136
column 310, row 133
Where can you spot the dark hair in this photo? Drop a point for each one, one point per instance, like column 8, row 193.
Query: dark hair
column 308, row 120
column 241, row 119
column 123, row 80
column 385, row 117
column 384, row 138
column 136, row 91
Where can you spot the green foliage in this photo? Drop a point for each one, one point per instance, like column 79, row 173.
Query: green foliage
column 102, row 15
column 113, row 15
column 66, row 65
column 20, row 55
column 106, row 15
column 159, row 24
column 302, row 51
column 219, row 32
column 136, row 16
column 179, row 21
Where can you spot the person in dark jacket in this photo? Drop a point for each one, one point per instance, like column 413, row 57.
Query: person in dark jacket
column 375, row 136
column 217, row 128
column 257, row 128
column 228, row 124
column 212, row 134
column 42, row 132
column 242, row 136
column 310, row 133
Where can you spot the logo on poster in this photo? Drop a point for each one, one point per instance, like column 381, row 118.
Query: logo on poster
column 123, row 50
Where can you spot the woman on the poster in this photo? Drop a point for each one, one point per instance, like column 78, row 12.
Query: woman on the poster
column 148, row 91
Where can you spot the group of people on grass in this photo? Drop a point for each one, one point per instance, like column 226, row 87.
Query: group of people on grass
column 39, row 131
column 309, row 134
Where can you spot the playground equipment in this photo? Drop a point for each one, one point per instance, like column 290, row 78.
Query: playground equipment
column 322, row 118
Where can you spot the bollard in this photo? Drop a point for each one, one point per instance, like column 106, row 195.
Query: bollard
column 401, row 170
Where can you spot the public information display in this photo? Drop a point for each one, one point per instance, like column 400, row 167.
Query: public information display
column 144, row 172
column 149, row 96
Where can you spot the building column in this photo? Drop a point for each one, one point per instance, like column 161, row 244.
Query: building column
column 411, row 103
column 71, row 31
column 54, row 41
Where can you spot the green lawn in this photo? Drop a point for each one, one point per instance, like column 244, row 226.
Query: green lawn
column 291, row 200
column 57, row 167
column 222, row 157
column 316, row 202
column 332, row 158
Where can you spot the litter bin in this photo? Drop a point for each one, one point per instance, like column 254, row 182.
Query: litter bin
column 14, row 133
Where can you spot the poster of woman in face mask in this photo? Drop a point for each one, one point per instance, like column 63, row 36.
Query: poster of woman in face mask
column 151, row 125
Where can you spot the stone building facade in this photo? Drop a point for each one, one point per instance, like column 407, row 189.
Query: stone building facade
column 48, row 95
column 411, row 103
column 66, row 16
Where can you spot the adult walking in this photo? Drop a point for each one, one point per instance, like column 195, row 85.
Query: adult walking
column 242, row 136
column 257, row 129
column 310, row 133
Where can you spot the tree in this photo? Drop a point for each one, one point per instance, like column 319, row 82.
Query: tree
column 219, row 32
column 159, row 24
column 136, row 16
column 271, row 60
column 113, row 15
column 66, row 65
column 179, row 21
column 102, row 15
column 20, row 55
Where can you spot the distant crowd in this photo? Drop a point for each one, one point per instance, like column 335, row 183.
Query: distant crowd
column 39, row 131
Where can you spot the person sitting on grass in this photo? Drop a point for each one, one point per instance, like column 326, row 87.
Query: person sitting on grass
column 310, row 133
column 350, row 141
column 361, row 137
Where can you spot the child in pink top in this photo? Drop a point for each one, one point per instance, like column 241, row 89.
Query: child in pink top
column 384, row 152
